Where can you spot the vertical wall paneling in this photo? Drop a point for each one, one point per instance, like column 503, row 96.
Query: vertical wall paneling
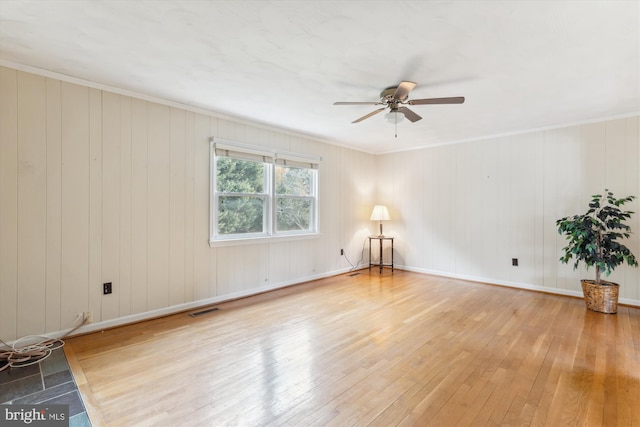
column 360, row 182
column 503, row 231
column 328, row 224
column 615, row 154
column 427, row 196
column 255, row 267
column 158, row 188
column 237, row 131
column 351, row 193
column 524, row 194
column 177, row 195
column 515, row 219
column 435, row 236
column 300, row 262
column 568, row 200
column 221, row 129
column 215, row 128
column 538, row 213
column 8, row 203
column 32, row 176
column 328, row 257
column 615, row 173
column 593, row 160
column 98, row 187
column 550, row 186
column 632, row 187
column 261, row 275
column 201, row 208
column 550, row 150
column 75, row 201
column 189, row 207
column 501, row 198
column 441, row 230
column 223, row 271
column 279, row 256
column 124, row 277
column 488, row 206
column 54, row 207
column 343, row 240
column 139, row 208
column 406, row 212
column 95, row 203
column 465, row 211
column 111, row 175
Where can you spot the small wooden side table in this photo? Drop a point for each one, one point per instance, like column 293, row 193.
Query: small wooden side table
column 381, row 263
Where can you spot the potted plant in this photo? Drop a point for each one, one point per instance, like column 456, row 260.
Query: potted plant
column 593, row 239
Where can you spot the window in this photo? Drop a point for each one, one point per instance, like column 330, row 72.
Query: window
column 259, row 194
column 295, row 197
column 241, row 195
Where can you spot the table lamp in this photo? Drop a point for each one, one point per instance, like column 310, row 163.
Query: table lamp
column 380, row 213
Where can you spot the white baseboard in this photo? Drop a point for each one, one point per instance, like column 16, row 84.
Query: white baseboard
column 166, row 311
column 566, row 292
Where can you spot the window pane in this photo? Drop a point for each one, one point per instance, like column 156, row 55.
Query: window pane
column 239, row 214
column 293, row 181
column 293, row 214
column 239, row 176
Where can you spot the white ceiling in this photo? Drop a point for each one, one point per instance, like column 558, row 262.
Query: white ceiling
column 521, row 65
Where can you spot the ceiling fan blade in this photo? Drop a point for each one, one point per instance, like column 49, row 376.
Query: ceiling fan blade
column 452, row 100
column 402, row 92
column 410, row 115
column 369, row 115
column 357, row 103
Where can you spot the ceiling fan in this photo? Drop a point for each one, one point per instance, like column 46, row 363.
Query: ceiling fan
column 395, row 98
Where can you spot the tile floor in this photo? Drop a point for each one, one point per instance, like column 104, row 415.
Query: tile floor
column 49, row 381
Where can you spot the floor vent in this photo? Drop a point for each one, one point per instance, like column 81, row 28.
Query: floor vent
column 200, row 313
column 353, row 274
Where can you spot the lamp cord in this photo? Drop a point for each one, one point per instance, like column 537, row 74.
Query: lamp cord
column 353, row 267
column 19, row 356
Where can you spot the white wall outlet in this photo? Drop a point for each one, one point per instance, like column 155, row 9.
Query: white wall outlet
column 87, row 317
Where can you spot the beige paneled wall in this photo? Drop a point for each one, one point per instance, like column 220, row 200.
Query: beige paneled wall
column 466, row 210
column 100, row 187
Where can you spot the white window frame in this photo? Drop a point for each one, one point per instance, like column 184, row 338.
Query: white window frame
column 270, row 159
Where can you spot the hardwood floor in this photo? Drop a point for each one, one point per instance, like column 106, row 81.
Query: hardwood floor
column 392, row 349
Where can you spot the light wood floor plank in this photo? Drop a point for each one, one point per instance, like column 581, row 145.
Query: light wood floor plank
column 370, row 349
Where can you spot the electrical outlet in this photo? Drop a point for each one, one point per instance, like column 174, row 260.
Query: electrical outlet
column 87, row 317
column 341, row 251
column 107, row 288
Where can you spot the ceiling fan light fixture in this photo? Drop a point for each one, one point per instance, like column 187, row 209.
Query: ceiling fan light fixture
column 394, row 117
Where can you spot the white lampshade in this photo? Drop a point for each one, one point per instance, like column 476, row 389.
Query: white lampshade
column 394, row 117
column 380, row 213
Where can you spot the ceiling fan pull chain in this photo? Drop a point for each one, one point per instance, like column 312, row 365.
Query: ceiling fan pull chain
column 396, row 116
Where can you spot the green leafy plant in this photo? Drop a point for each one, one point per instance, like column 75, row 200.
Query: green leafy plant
column 593, row 236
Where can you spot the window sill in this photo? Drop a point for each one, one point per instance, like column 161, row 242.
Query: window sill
column 262, row 240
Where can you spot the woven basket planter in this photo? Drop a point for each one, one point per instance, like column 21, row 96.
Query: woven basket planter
column 602, row 298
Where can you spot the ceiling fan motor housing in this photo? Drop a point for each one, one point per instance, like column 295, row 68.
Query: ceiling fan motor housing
column 387, row 94
column 386, row 97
